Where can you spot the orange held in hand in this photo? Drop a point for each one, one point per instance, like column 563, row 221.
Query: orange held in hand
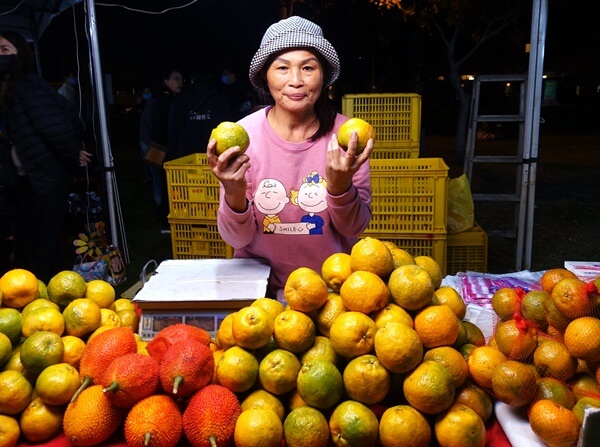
column 363, row 129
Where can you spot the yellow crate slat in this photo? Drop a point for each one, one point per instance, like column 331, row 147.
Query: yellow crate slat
column 197, row 239
column 409, row 196
column 193, row 190
column 396, row 117
column 467, row 251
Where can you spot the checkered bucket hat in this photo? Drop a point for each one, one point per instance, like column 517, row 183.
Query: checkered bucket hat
column 293, row 32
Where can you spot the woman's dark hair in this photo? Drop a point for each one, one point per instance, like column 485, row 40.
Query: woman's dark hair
column 325, row 110
column 24, row 63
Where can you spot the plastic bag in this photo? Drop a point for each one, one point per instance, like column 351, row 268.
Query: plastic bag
column 116, row 266
column 461, row 210
column 91, row 269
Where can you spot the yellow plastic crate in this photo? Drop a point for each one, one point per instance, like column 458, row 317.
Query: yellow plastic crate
column 396, row 117
column 409, row 196
column 433, row 246
column 393, row 151
column 197, row 239
column 467, row 251
column 192, row 189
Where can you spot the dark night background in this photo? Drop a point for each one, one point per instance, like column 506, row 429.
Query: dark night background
column 378, row 51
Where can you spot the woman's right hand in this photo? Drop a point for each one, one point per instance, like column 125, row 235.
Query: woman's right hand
column 230, row 168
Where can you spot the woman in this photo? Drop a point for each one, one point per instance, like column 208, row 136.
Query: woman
column 39, row 161
column 294, row 197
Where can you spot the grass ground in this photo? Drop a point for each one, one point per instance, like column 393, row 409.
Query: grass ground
column 567, row 200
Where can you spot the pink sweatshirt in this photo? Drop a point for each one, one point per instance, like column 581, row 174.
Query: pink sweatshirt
column 291, row 221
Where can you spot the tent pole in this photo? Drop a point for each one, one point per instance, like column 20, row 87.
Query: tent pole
column 100, row 99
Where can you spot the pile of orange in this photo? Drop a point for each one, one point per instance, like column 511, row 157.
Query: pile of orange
column 369, row 350
column 544, row 355
column 44, row 330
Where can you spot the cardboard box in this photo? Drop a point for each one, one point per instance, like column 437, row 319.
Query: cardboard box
column 200, row 292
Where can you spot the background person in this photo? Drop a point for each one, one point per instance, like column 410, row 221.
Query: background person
column 45, row 140
column 159, row 133
column 294, row 163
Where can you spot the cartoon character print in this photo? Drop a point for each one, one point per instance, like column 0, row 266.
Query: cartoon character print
column 310, row 197
column 270, row 199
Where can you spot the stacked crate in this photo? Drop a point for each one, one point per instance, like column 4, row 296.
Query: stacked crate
column 467, row 251
column 396, row 118
column 193, row 204
column 409, row 205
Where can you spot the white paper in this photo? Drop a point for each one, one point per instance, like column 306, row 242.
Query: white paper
column 516, row 426
column 206, row 280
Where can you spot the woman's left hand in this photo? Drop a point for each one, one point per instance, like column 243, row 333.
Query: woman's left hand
column 342, row 165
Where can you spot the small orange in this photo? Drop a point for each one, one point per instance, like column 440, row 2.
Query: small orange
column 353, row 424
column 432, row 267
column 404, row 423
column 584, row 384
column 352, row 334
column 551, row 277
column 9, row 431
column 429, row 387
column 556, row 391
column 452, row 360
column 294, row 331
column 459, row 426
column 335, row 270
column 366, row 380
column 15, row 392
column 554, row 317
column 273, row 307
column 533, row 307
column 237, row 369
column 40, row 422
column 505, row 303
column 333, row 307
column 514, row 340
column 363, row 130
column 450, row 297
column 43, row 319
column 320, row 384
column 476, row 398
column 392, row 313
column 305, row 290
column 224, row 337
column 322, row 349
column 258, row 427
column 252, row 327
column 398, row 347
column 552, row 359
column 514, row 383
column 582, row 339
column 571, row 298
column 437, row 326
column 401, row 257
column 553, row 423
column 82, row 317
column 411, row 287
column 582, row 404
column 19, row 288
column 482, row 361
column 364, row 292
column 475, row 335
column 371, row 255
column 305, row 427
column 278, row 371
column 264, row 399
column 229, row 134
column 101, row 292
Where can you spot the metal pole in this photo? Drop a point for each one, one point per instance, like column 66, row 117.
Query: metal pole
column 107, row 156
column 532, row 116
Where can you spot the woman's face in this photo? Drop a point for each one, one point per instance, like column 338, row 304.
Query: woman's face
column 6, row 47
column 295, row 79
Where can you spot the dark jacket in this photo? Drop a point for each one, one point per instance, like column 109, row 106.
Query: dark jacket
column 193, row 116
column 45, row 131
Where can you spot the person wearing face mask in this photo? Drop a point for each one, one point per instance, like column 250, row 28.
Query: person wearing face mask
column 41, row 154
column 237, row 94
